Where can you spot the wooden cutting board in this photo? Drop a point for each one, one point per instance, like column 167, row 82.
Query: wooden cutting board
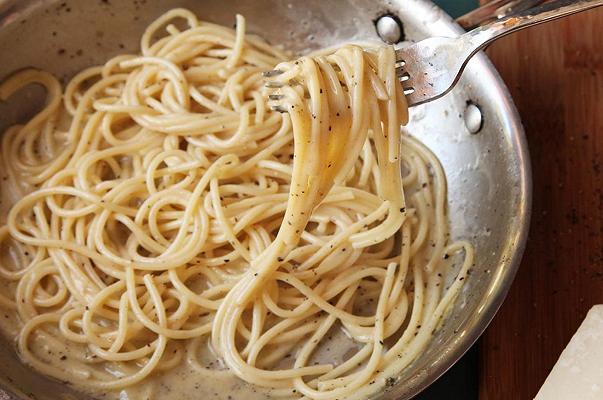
column 555, row 75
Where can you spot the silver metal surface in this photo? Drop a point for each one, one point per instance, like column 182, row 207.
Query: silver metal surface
column 429, row 69
column 489, row 179
column 388, row 29
column 496, row 9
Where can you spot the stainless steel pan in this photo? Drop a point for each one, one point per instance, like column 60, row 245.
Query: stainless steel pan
column 475, row 131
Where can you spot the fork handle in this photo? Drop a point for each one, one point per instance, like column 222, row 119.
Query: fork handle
column 481, row 37
column 493, row 10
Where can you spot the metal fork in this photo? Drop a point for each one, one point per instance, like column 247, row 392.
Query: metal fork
column 493, row 10
column 430, row 68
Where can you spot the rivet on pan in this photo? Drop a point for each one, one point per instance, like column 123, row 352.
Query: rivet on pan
column 473, row 118
column 389, row 29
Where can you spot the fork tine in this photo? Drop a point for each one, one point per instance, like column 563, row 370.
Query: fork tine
column 274, row 84
column 279, row 108
column 270, row 74
column 274, row 96
column 402, row 75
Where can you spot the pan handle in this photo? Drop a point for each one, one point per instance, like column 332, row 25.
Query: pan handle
column 494, row 10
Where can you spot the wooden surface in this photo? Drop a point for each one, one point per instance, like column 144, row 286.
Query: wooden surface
column 555, row 75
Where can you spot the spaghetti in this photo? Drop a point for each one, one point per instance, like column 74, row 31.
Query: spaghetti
column 159, row 202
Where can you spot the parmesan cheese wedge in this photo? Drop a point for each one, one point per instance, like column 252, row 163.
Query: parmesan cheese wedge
column 578, row 374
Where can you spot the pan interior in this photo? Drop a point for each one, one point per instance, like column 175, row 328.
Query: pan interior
column 488, row 172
